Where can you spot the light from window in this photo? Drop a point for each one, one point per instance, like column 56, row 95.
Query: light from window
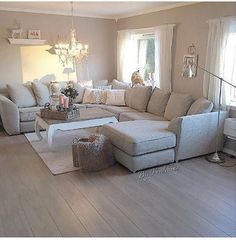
column 229, row 68
column 146, row 57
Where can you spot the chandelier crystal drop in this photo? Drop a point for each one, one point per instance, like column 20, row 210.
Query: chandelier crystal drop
column 73, row 50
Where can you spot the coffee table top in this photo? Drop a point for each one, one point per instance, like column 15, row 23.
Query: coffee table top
column 85, row 114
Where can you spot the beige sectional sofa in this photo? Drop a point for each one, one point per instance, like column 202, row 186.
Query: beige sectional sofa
column 154, row 127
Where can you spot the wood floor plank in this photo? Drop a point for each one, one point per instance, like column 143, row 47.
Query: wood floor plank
column 197, row 176
column 88, row 215
column 199, row 200
column 152, row 203
column 148, row 224
column 119, row 222
column 169, row 204
column 176, row 192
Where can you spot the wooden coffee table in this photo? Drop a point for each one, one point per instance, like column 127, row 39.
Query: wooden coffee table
column 90, row 117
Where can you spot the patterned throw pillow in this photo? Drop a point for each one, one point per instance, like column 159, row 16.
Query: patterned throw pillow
column 96, row 96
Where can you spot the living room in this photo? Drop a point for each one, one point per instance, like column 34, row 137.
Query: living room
column 140, row 120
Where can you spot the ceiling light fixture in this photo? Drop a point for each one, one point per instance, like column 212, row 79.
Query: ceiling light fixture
column 73, row 50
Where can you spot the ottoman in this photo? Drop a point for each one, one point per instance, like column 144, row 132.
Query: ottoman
column 141, row 144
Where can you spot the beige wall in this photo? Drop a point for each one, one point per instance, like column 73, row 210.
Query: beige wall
column 191, row 28
column 24, row 63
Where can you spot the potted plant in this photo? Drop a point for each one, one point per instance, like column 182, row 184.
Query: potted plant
column 70, row 92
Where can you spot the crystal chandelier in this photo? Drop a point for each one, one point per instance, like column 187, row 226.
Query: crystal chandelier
column 73, row 50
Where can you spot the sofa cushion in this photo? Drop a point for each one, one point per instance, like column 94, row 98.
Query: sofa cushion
column 201, row 105
column 119, row 85
column 158, row 101
column 80, row 90
column 130, row 116
column 22, row 95
column 28, row 114
column 140, row 137
column 177, row 105
column 138, row 97
column 41, row 92
column 117, row 110
column 115, row 97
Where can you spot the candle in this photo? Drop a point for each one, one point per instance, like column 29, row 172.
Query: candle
column 61, row 100
column 66, row 102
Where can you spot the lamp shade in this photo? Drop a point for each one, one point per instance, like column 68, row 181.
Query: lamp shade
column 68, row 70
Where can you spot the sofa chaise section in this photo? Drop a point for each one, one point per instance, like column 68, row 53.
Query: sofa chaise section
column 142, row 143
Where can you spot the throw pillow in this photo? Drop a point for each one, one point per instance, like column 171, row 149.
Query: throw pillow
column 87, row 95
column 96, row 96
column 116, row 97
column 22, row 95
column 100, row 83
column 177, row 105
column 158, row 101
column 201, row 105
column 119, row 85
column 138, row 97
column 41, row 92
column 108, row 87
column 86, row 83
column 55, row 87
column 81, row 91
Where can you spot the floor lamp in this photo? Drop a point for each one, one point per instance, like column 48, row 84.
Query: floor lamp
column 215, row 158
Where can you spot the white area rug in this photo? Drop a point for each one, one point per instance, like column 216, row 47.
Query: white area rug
column 59, row 160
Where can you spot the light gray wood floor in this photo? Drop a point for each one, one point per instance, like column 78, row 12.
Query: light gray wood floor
column 196, row 199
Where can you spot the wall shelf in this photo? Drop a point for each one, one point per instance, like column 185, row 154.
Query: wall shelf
column 26, row 41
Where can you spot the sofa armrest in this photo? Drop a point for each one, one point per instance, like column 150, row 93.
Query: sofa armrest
column 10, row 115
column 196, row 134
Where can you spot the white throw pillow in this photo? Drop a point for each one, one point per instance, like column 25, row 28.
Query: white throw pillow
column 201, row 105
column 55, row 87
column 22, row 95
column 119, row 85
column 86, row 83
column 178, row 105
column 87, row 95
column 116, row 97
column 80, row 90
column 100, row 83
column 41, row 92
column 108, row 87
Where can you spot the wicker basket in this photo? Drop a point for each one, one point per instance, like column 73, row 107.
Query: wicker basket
column 54, row 114
column 93, row 153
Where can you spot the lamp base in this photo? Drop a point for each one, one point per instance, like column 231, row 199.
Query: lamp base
column 215, row 158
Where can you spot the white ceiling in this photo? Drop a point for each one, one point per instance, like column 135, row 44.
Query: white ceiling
column 113, row 10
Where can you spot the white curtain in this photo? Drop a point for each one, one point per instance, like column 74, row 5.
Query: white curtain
column 82, row 71
column 220, row 59
column 126, row 55
column 163, row 56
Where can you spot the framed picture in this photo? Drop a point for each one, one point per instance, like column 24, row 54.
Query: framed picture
column 34, row 34
column 190, row 61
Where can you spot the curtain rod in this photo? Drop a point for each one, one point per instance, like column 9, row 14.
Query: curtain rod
column 149, row 28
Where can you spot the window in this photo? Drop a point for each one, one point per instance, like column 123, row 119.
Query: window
column 146, row 56
column 229, row 70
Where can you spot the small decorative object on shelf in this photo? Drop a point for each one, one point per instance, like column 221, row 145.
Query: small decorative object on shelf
column 34, row 34
column 69, row 92
column 60, row 113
